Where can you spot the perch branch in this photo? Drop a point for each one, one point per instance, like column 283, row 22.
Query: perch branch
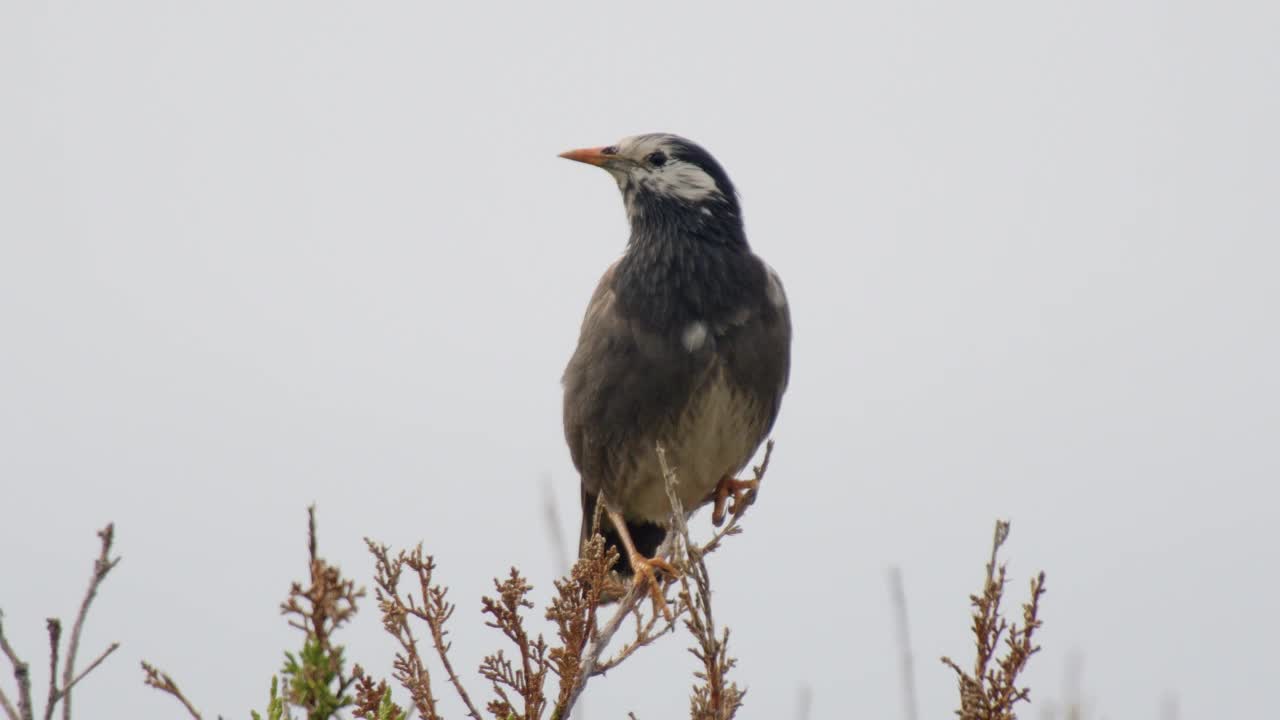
column 103, row 565
column 162, row 682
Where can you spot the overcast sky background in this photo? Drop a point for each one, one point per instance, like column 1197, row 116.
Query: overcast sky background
column 257, row 255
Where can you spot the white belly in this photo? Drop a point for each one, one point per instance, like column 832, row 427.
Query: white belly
column 716, row 436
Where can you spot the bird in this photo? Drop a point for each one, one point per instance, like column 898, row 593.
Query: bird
column 685, row 343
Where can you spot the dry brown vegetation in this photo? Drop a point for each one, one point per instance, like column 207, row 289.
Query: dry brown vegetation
column 530, row 677
column 990, row 690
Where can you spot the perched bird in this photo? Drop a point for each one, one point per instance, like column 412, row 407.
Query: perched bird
column 686, row 343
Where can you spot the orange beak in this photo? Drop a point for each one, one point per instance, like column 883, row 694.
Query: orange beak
column 591, row 156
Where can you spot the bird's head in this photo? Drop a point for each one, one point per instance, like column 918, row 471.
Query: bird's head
column 660, row 174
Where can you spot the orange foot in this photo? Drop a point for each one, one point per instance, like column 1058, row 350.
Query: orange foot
column 738, row 489
column 647, row 571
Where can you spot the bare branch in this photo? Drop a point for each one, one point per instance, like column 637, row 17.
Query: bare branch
column 21, row 673
column 408, row 668
column 9, row 709
column 435, row 611
column 103, row 565
column 54, row 627
column 645, row 636
column 164, row 683
column 98, row 661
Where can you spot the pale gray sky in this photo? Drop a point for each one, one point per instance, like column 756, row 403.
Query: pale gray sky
column 255, row 255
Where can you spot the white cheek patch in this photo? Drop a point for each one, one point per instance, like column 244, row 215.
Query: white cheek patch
column 776, row 294
column 681, row 179
column 694, row 336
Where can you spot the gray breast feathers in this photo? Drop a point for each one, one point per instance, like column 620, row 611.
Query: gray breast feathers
column 716, row 435
column 708, row 391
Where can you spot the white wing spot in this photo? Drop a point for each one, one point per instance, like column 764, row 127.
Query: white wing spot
column 694, row 336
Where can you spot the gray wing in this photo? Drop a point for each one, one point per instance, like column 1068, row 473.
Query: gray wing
column 756, row 352
column 622, row 385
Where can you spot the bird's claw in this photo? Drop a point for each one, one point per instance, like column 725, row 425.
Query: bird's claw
column 738, row 490
column 647, row 571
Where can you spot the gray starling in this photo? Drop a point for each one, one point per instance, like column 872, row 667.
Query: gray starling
column 686, row 343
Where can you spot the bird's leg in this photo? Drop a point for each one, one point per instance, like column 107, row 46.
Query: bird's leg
column 731, row 486
column 646, row 569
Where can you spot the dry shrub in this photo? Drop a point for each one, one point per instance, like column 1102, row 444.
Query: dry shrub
column 990, row 690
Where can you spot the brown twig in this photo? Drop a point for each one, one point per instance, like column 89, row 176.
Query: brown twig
column 589, row 666
column 162, row 682
column 319, row 610
column 644, row 637
column 54, row 626
column 435, row 611
column 987, row 692
column 408, row 668
column 103, row 565
column 678, row 547
column 573, row 610
column 714, row 698
column 97, row 661
column 330, row 599
column 22, row 671
column 534, row 653
column 370, row 696
column 22, row 674
column 9, row 710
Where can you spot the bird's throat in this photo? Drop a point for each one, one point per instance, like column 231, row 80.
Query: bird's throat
column 684, row 265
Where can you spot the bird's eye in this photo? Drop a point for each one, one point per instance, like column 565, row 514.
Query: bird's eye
column 657, row 159
column 611, row 150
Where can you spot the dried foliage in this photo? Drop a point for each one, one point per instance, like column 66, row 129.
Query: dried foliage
column 518, row 676
column 527, row 681
column 25, row 709
column 165, row 684
column 714, row 697
column 315, row 679
column 429, row 605
column 990, row 690
column 373, row 700
column 574, row 609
